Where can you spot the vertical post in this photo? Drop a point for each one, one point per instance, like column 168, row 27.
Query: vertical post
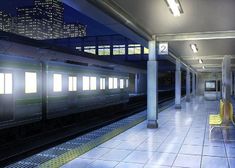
column 231, row 82
column 178, row 85
column 136, row 83
column 152, row 86
column 188, row 83
column 193, row 85
column 226, row 86
column 234, row 84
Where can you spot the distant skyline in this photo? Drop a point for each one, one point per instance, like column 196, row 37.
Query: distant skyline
column 70, row 15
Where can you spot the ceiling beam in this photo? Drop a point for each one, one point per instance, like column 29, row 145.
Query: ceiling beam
column 230, row 34
column 206, row 57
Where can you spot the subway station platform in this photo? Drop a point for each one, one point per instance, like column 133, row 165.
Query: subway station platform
column 182, row 140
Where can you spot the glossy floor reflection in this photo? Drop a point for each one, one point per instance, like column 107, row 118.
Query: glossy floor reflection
column 180, row 141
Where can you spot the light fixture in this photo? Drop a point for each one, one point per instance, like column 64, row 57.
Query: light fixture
column 203, row 67
column 194, row 48
column 200, row 61
column 175, row 7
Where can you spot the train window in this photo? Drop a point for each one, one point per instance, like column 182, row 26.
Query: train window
column 85, row 83
column 89, row 83
column 93, row 83
column 72, row 83
column 57, row 82
column 127, row 83
column 6, row 83
column 102, row 83
column 115, row 83
column 121, row 84
column 30, row 82
column 110, row 83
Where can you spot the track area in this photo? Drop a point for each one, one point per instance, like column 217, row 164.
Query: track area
column 29, row 146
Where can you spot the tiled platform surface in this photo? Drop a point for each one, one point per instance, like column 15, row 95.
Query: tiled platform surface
column 180, row 141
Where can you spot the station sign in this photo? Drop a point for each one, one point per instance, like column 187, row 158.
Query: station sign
column 163, row 48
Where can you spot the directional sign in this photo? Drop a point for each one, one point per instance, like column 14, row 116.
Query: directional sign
column 163, row 48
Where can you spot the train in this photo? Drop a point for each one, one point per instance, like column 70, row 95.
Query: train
column 33, row 90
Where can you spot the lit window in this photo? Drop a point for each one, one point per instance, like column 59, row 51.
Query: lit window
column 89, row 83
column 121, row 84
column 90, row 49
column 118, row 49
column 30, row 82
column 102, row 83
column 57, row 82
column 115, row 83
column 134, row 49
column 127, row 83
column 146, row 50
column 6, row 83
column 104, row 50
column 110, row 83
column 72, row 83
column 93, row 83
column 85, row 83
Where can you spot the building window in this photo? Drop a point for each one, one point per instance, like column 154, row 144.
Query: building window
column 121, row 83
column 104, row 50
column 118, row 49
column 57, row 82
column 72, row 83
column 113, row 83
column 79, row 48
column 89, row 83
column 127, row 83
column 90, row 49
column 30, row 82
column 146, row 50
column 102, row 83
column 6, row 85
column 134, row 49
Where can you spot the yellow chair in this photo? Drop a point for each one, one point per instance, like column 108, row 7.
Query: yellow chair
column 216, row 120
column 231, row 113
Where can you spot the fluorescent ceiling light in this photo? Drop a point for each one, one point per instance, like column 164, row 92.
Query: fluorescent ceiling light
column 175, row 7
column 194, row 48
column 200, row 61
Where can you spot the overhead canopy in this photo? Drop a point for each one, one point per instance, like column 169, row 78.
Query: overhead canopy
column 153, row 17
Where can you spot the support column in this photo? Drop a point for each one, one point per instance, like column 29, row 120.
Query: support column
column 231, row 83
column 234, row 84
column 188, row 85
column 152, row 86
column 193, row 85
column 178, row 85
column 226, row 86
column 136, row 83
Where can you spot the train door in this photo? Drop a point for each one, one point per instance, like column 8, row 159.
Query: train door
column 6, row 96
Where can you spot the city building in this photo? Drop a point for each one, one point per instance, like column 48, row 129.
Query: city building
column 5, row 21
column 44, row 20
column 74, row 30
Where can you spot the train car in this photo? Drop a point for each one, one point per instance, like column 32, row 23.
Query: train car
column 20, row 91
column 32, row 90
column 76, row 88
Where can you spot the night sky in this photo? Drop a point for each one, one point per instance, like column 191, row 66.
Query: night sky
column 70, row 15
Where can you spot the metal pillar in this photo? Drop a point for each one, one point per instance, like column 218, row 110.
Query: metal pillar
column 231, row 83
column 226, row 86
column 188, row 85
column 152, row 86
column 178, row 85
column 136, row 83
column 193, row 85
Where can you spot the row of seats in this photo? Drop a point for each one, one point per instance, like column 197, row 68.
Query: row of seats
column 216, row 120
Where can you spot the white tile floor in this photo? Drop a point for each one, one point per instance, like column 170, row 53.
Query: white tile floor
column 180, row 141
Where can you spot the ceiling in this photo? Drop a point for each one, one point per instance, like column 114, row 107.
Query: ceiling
column 199, row 16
